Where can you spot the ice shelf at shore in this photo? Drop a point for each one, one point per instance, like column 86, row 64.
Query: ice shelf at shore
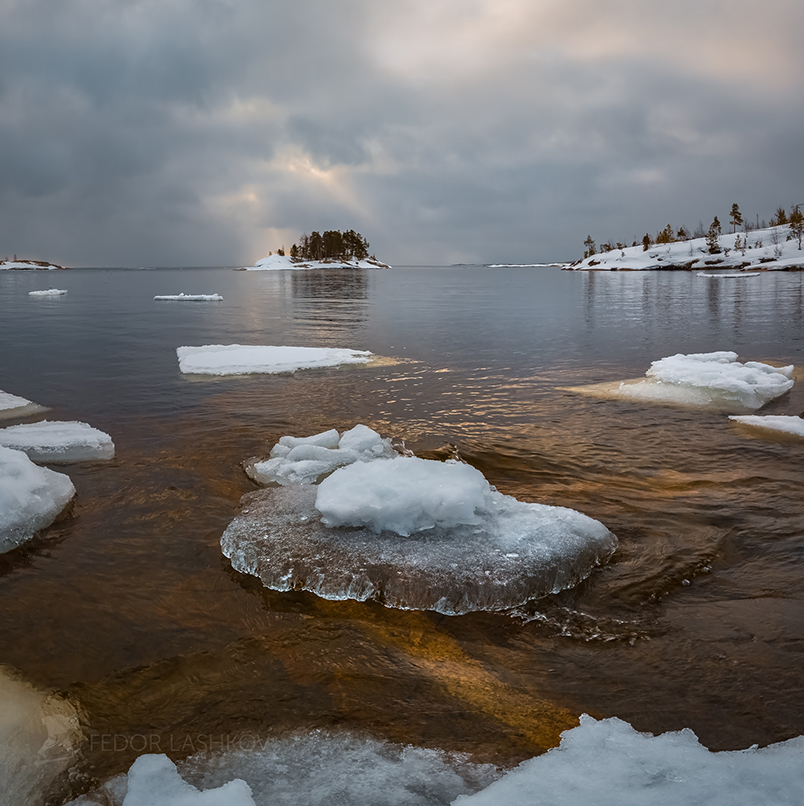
column 31, row 497
column 304, row 460
column 780, row 423
column 414, row 534
column 49, row 441
column 189, row 297
column 244, row 359
column 605, row 763
column 13, row 406
column 714, row 381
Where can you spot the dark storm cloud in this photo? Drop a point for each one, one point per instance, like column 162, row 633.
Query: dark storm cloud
column 179, row 132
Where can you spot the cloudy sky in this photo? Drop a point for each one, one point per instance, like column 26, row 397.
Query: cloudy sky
column 208, row 132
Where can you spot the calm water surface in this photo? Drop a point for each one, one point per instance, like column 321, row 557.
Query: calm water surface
column 130, row 608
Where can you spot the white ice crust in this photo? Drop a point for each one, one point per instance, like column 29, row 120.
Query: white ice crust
column 190, row 297
column 703, row 380
column 729, row 276
column 49, row 292
column 14, row 406
column 786, row 424
column 241, row 359
column 50, row 441
column 608, row 763
column 304, row 460
column 30, row 497
column 411, row 533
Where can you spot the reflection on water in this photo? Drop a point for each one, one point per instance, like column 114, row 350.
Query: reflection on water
column 129, row 607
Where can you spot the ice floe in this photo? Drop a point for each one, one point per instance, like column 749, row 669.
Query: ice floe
column 12, row 406
column 608, row 763
column 304, row 460
column 243, row 359
column 31, row 497
column 190, row 297
column 730, row 275
column 414, row 534
column 786, row 424
column 49, row 441
column 314, row 769
column 48, row 292
column 714, row 381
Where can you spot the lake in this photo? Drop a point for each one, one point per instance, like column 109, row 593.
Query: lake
column 129, row 608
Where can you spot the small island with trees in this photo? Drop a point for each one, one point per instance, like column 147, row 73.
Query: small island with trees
column 767, row 246
column 331, row 249
column 16, row 264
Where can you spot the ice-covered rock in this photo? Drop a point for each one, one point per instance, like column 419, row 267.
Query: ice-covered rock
column 30, row 497
column 12, row 406
column 190, row 297
column 241, row 359
column 785, row 424
column 416, row 534
column 608, row 763
column 715, row 381
column 49, row 441
column 48, row 292
column 304, row 460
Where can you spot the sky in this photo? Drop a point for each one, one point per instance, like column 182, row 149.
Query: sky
column 210, row 132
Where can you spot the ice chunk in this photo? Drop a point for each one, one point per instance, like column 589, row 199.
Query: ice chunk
column 13, row 406
column 714, row 381
column 509, row 553
column 730, row 275
column 241, row 359
column 49, row 292
column 49, row 441
column 773, row 422
column 190, row 297
column 153, row 780
column 304, row 460
column 608, row 763
column 30, row 497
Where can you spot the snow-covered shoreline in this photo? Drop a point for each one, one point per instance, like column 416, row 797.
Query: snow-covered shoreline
column 284, row 262
column 30, row 265
column 759, row 250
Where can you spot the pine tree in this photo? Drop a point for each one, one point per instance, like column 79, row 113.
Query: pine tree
column 796, row 222
column 736, row 217
column 781, row 216
column 712, row 236
column 590, row 247
column 646, row 242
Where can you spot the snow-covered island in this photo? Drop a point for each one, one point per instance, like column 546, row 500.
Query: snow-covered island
column 284, row 262
column 769, row 249
column 30, row 265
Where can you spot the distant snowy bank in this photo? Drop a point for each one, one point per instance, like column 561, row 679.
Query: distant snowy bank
column 759, row 250
column 284, row 262
column 30, row 265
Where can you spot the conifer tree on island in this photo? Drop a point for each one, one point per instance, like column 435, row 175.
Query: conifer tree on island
column 797, row 225
column 736, row 217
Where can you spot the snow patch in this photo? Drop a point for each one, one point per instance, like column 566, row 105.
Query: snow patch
column 49, row 292
column 190, row 297
column 304, row 460
column 49, row 441
column 31, row 497
column 773, row 422
column 608, row 763
column 240, row 359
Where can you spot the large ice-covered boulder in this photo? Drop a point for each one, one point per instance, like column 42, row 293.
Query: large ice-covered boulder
column 304, row 460
column 31, row 497
column 715, row 381
column 50, row 441
column 415, row 534
column 246, row 359
column 608, row 763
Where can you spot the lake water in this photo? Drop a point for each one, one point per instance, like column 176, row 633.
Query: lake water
column 129, row 607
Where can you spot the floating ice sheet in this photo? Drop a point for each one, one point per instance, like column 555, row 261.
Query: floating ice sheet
column 304, row 460
column 729, row 276
column 190, row 297
column 715, row 381
column 241, row 359
column 12, row 406
column 48, row 292
column 773, row 422
column 49, row 441
column 511, row 553
column 608, row 763
column 30, row 497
